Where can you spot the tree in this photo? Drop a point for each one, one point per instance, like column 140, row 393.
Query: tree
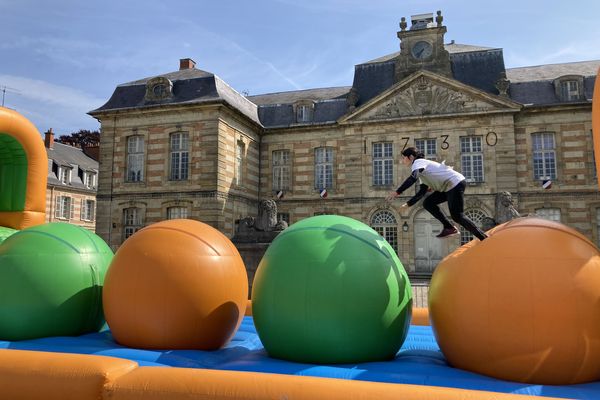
column 82, row 138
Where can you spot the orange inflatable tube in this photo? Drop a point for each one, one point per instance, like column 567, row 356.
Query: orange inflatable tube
column 23, row 172
column 596, row 122
column 60, row 376
column 49, row 376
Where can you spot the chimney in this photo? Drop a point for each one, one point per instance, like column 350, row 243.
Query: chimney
column 186, row 63
column 49, row 138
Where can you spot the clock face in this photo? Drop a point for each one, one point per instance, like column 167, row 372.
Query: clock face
column 422, row 50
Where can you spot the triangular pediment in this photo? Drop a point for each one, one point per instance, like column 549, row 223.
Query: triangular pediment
column 425, row 94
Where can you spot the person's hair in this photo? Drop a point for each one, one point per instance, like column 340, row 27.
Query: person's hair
column 412, row 151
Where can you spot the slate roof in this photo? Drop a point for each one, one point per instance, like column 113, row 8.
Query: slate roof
column 535, row 85
column 190, row 86
column 65, row 155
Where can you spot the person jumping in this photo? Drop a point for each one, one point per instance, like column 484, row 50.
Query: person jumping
column 447, row 185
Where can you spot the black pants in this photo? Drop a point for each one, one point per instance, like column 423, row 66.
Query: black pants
column 456, row 203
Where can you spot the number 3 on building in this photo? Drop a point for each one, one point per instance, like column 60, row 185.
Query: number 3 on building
column 445, row 143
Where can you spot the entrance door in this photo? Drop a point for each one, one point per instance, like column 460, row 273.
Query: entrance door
column 428, row 248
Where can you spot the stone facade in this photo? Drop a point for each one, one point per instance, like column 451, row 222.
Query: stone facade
column 235, row 146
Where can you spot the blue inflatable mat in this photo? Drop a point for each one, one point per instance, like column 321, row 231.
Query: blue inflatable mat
column 418, row 362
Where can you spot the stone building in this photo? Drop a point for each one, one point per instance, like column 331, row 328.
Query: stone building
column 185, row 144
column 72, row 184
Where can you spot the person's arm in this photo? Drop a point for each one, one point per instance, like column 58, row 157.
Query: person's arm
column 422, row 190
column 409, row 181
column 405, row 185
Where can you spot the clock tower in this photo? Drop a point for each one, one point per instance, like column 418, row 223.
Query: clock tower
column 422, row 47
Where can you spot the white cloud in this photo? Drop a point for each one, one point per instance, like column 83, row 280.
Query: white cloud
column 50, row 93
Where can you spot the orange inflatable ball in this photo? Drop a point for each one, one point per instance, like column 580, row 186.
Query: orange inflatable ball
column 177, row 284
column 521, row 305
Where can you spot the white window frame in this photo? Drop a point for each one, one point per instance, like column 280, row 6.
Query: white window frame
column 323, row 168
column 132, row 221
column 549, row 213
column 304, row 113
column 428, row 147
column 543, row 149
column 384, row 223
column 177, row 212
column 64, row 174
column 383, row 163
column 89, row 179
column 135, row 159
column 471, row 158
column 570, row 90
column 477, row 217
column 63, row 207
column 179, row 158
column 281, row 169
column 88, row 208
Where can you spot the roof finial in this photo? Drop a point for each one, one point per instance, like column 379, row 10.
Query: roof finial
column 403, row 24
column 439, row 18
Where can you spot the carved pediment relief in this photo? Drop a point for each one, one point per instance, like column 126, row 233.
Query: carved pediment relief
column 426, row 95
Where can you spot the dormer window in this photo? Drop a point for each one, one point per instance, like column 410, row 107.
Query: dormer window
column 64, row 174
column 159, row 88
column 304, row 111
column 89, row 179
column 569, row 88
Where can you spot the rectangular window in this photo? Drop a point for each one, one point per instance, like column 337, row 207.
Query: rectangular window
column 132, row 221
column 551, row 214
column 89, row 179
column 323, row 168
column 471, row 158
column 179, row 156
column 569, row 90
column 87, row 210
column 428, row 147
column 135, row 159
column 239, row 162
column 177, row 212
column 64, row 174
column 281, row 170
column 64, row 207
column 383, row 164
column 304, row 113
column 544, row 156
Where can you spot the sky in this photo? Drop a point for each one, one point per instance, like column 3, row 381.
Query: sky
column 61, row 59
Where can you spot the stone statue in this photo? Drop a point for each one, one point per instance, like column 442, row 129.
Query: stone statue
column 505, row 209
column 261, row 229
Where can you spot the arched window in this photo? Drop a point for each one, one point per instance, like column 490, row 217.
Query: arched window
column 477, row 217
column 385, row 224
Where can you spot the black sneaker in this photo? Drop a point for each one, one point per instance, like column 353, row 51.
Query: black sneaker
column 447, row 232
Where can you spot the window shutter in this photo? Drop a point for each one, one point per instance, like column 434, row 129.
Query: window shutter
column 71, row 208
column 82, row 209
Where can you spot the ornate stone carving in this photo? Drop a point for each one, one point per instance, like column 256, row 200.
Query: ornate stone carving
column 403, row 24
column 261, row 229
column 159, row 88
column 424, row 97
column 502, row 84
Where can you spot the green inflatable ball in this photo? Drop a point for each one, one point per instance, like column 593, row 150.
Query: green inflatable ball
column 330, row 289
column 51, row 279
column 5, row 233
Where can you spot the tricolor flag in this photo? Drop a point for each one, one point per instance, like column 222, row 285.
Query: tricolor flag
column 279, row 194
column 546, row 183
column 323, row 193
